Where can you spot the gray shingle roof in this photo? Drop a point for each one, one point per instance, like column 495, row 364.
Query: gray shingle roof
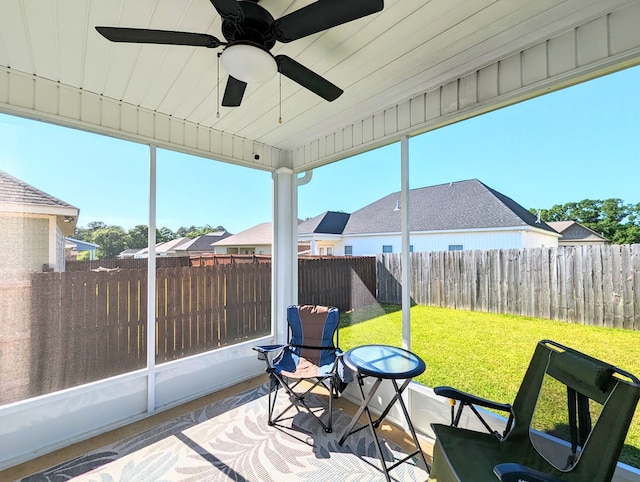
column 458, row 205
column 574, row 231
column 257, row 235
column 13, row 190
column 205, row 241
column 329, row 222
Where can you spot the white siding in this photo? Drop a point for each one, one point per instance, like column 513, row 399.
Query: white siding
column 261, row 249
column 515, row 238
column 532, row 239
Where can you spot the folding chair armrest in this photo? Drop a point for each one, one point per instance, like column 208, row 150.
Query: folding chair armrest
column 521, row 473
column 265, row 350
column 470, row 399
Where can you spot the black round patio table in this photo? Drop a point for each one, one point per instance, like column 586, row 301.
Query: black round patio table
column 383, row 362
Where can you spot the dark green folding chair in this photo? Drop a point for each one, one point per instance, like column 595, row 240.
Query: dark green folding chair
column 587, row 404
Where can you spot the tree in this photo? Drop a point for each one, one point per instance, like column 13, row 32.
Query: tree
column 86, row 234
column 138, row 236
column 111, row 241
column 164, row 234
column 611, row 218
column 95, row 225
column 195, row 231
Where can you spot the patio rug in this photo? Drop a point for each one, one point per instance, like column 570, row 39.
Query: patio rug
column 231, row 441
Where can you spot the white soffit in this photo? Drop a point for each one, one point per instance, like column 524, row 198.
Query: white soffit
column 411, row 67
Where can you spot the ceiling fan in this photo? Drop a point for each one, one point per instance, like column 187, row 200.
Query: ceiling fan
column 251, row 32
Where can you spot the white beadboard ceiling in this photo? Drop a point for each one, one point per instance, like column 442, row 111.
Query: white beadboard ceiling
column 411, row 46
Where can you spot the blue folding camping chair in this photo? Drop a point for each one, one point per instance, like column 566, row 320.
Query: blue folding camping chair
column 312, row 355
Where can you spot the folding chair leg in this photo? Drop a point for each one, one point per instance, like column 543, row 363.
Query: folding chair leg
column 274, row 384
column 329, row 427
column 299, row 398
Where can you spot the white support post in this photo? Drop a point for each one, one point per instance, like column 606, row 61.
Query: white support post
column 284, row 259
column 151, row 285
column 405, row 256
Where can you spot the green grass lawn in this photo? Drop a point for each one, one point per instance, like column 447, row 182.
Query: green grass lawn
column 487, row 354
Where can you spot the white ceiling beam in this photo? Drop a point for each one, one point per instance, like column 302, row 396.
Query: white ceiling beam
column 33, row 97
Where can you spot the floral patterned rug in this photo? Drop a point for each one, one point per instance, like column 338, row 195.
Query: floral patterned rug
column 231, row 441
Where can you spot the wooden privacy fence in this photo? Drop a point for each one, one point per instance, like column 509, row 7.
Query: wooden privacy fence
column 345, row 283
column 91, row 325
column 591, row 285
column 87, row 325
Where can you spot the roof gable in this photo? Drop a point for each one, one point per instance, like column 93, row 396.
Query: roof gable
column 329, row 222
column 466, row 204
column 574, row 231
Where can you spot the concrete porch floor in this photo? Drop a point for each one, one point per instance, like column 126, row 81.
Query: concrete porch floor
column 390, row 431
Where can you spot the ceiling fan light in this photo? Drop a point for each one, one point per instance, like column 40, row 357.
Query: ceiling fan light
column 248, row 63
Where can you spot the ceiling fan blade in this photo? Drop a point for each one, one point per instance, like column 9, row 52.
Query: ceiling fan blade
column 169, row 37
column 307, row 78
column 233, row 92
column 321, row 15
column 229, row 10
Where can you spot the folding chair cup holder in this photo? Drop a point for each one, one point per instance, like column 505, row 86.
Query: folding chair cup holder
column 597, row 401
column 311, row 355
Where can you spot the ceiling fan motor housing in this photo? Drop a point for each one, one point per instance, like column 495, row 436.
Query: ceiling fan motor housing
column 254, row 28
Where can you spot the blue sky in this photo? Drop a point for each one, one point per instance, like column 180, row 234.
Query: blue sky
column 579, row 143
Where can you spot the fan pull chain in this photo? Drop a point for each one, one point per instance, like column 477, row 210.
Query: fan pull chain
column 280, row 103
column 218, row 89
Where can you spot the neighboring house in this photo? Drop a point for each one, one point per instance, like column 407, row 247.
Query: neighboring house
column 75, row 246
column 255, row 240
column 322, row 233
column 162, row 249
column 168, row 248
column 129, row 253
column 258, row 239
column 201, row 245
column 576, row 234
column 456, row 216
column 180, row 246
column 34, row 225
column 459, row 215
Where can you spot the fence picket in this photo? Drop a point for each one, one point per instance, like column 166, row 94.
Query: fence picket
column 617, row 286
column 627, row 286
column 635, row 281
column 598, row 291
